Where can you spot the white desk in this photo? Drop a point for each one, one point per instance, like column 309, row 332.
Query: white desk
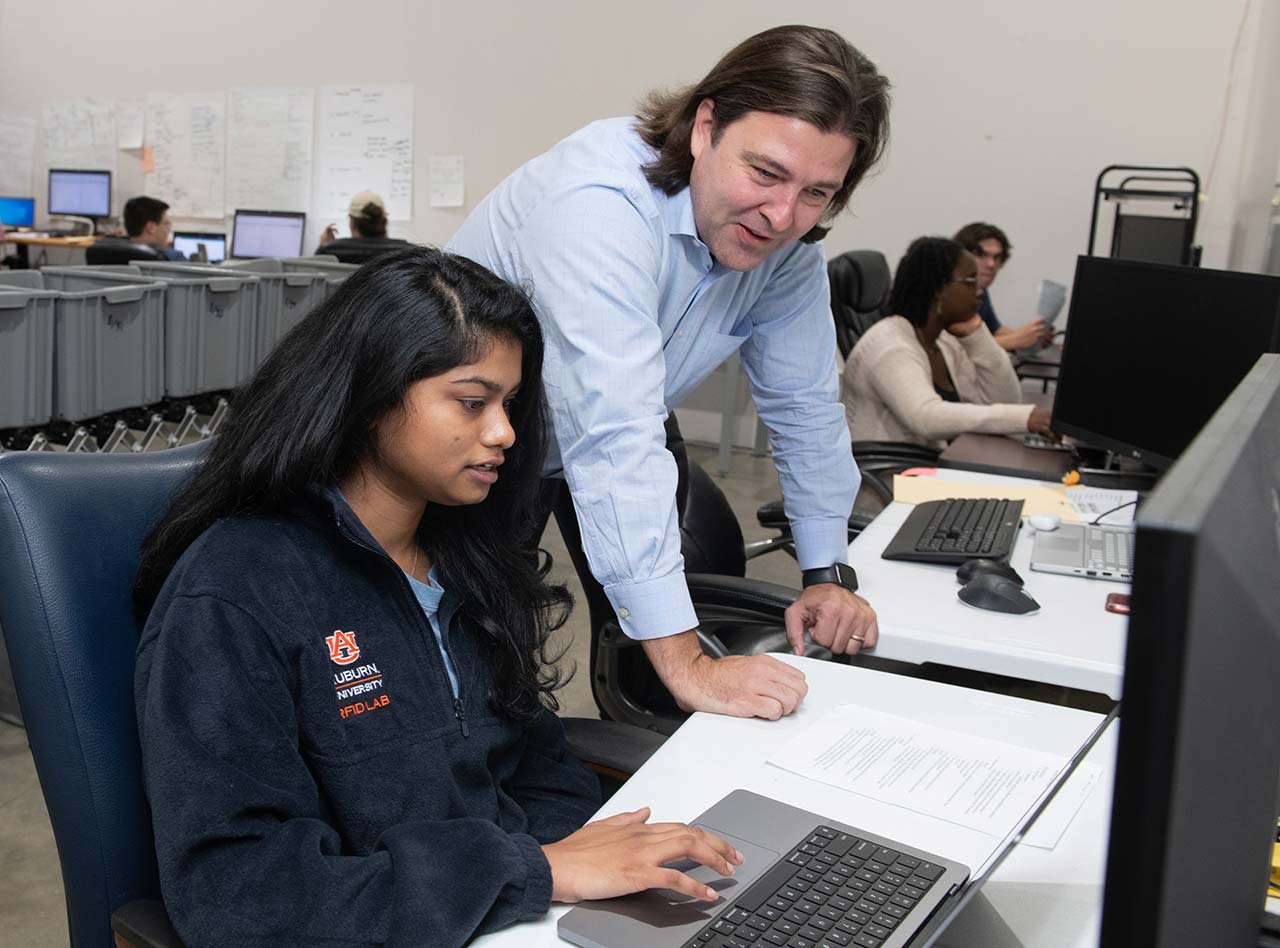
column 1037, row 898
column 1072, row 641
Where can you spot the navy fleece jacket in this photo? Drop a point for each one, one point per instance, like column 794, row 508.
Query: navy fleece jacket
column 312, row 780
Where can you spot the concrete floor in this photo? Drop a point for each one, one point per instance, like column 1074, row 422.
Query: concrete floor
column 32, row 911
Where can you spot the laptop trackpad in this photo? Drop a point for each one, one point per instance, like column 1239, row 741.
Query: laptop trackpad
column 665, row 909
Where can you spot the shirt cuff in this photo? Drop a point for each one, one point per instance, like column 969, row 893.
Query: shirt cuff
column 821, row 542
column 538, row 882
column 653, row 608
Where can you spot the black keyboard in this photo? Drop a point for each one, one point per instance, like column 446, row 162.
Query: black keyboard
column 833, row 890
column 952, row 531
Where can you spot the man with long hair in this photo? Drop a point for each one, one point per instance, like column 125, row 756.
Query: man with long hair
column 654, row 247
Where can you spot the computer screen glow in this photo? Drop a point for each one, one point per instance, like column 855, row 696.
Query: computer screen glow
column 267, row 234
column 17, row 212
column 82, row 193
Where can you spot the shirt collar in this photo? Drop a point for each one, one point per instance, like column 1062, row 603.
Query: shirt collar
column 677, row 211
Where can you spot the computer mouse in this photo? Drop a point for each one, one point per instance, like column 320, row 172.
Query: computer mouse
column 971, row 568
column 1045, row 522
column 997, row 594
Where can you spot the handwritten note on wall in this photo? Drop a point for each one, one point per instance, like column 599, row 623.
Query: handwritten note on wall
column 188, row 136
column 17, row 143
column 365, row 142
column 269, row 133
column 80, row 135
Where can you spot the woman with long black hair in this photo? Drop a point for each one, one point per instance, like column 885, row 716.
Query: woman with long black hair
column 344, row 692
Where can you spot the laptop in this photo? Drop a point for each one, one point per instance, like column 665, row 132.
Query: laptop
column 808, row 881
column 1095, row 551
column 188, row 243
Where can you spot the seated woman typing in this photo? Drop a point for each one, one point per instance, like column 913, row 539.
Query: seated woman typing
column 343, row 689
column 932, row 371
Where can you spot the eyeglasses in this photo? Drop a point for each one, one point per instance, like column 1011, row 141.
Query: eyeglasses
column 971, row 280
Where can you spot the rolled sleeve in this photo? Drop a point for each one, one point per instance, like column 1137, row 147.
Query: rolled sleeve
column 790, row 359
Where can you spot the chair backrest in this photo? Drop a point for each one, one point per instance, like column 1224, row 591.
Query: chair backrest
column 71, row 526
column 860, row 282
column 116, row 250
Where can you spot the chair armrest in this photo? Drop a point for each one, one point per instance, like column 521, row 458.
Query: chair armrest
column 143, row 923
column 894, row 450
column 611, row 747
column 769, row 600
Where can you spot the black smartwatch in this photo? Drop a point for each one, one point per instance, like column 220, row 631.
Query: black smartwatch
column 838, row 573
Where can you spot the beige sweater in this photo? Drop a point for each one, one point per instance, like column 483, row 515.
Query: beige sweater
column 888, row 393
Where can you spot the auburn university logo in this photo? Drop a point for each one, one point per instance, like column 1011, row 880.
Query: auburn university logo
column 342, row 647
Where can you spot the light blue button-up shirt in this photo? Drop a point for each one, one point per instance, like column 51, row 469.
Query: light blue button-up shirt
column 636, row 314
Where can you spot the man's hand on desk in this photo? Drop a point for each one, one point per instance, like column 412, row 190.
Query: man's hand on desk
column 836, row 619
column 624, row 854
column 742, row 686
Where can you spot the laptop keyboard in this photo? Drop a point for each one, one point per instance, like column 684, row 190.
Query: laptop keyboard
column 1110, row 550
column 952, row 531
column 833, row 890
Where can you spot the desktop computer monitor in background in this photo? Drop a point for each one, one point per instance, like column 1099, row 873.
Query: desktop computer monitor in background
column 267, row 234
column 1151, row 239
column 80, row 193
column 188, row 242
column 1193, row 815
column 17, row 212
column 1151, row 351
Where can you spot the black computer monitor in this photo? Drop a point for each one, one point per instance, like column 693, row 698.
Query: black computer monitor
column 1194, row 810
column 1151, row 351
column 17, row 212
column 188, row 243
column 267, row 234
column 81, row 193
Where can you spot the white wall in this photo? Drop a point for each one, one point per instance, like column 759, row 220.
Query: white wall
column 1004, row 110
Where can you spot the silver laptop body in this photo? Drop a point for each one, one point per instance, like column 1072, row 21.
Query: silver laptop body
column 1094, row 551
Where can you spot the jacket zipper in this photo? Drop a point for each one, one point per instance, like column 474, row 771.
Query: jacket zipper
column 459, row 709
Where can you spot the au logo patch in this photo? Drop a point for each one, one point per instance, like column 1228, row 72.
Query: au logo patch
column 342, row 647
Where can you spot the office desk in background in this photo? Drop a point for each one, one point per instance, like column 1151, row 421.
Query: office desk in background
column 1038, row 898
column 1072, row 641
column 25, row 241
column 1001, row 454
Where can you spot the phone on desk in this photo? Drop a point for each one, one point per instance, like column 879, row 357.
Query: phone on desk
column 1118, row 603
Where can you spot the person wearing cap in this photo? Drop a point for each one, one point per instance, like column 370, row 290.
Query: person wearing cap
column 367, row 219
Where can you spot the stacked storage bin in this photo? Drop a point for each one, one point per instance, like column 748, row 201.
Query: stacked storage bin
column 334, row 270
column 27, row 316
column 107, row 343
column 284, row 297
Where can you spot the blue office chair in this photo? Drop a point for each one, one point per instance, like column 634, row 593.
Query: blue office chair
column 71, row 526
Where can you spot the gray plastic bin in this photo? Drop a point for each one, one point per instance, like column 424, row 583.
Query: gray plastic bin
column 288, row 294
column 27, row 318
column 108, row 341
column 334, row 270
column 210, row 324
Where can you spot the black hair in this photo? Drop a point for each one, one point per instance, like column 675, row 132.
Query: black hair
column 141, row 211
column 803, row 72
column 309, row 414
column 371, row 221
column 970, row 236
column 923, row 271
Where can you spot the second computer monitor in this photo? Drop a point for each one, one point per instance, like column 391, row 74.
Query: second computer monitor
column 17, row 212
column 80, row 193
column 1152, row 351
column 267, row 234
column 188, row 244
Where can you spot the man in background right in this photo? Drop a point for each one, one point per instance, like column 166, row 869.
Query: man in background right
column 989, row 244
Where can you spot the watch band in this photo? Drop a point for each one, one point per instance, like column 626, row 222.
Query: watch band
column 839, row 573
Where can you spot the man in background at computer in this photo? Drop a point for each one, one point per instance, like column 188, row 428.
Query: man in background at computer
column 991, row 247
column 367, row 220
column 146, row 222
column 655, row 247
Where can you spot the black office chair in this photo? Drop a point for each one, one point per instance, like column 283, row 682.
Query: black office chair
column 71, row 526
column 860, row 282
column 116, row 250
column 736, row 616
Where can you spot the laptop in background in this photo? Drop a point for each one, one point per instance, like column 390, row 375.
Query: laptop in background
column 187, row 243
column 1095, row 551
